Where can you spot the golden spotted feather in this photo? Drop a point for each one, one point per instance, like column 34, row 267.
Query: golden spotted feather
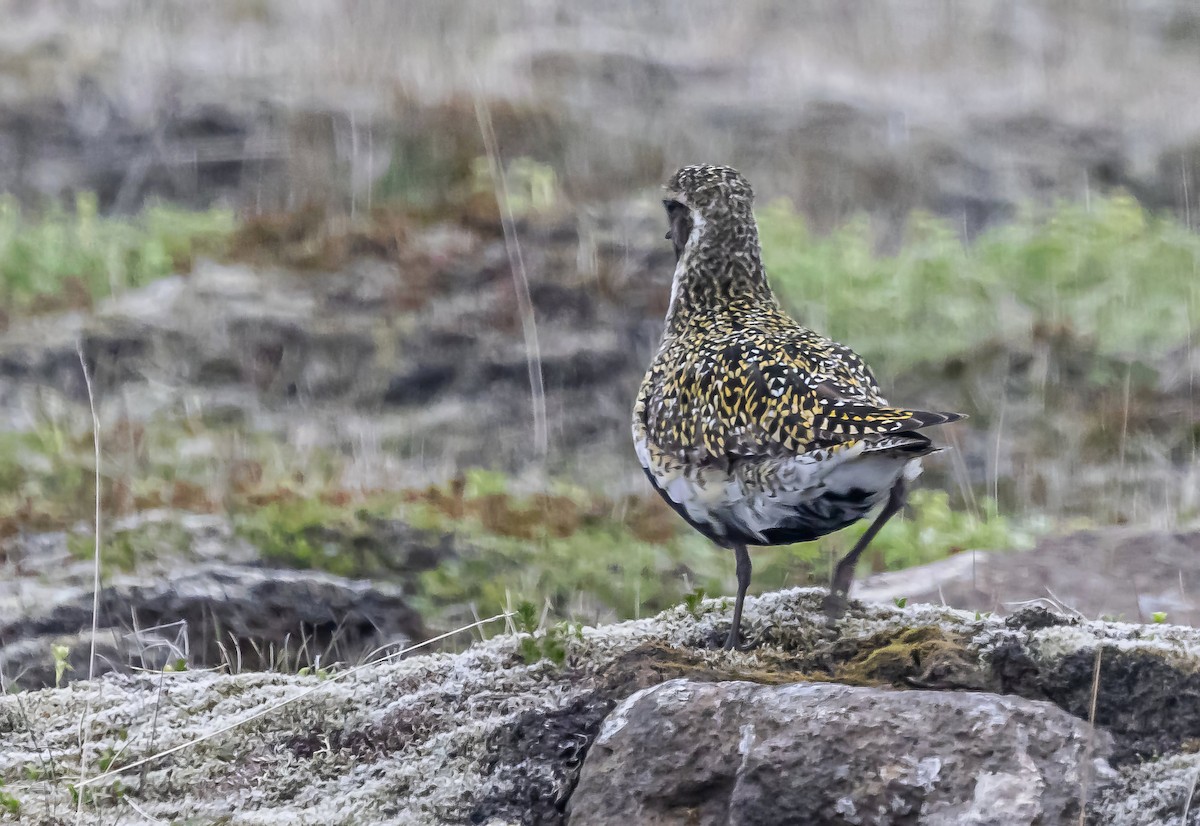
column 751, row 382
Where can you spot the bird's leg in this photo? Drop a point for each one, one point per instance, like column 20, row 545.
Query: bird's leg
column 743, row 579
column 843, row 574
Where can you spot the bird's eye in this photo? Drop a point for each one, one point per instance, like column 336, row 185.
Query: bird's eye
column 679, row 221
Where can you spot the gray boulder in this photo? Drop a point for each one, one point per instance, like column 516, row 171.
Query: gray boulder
column 818, row 753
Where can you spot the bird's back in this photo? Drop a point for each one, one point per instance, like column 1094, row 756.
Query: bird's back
column 748, row 381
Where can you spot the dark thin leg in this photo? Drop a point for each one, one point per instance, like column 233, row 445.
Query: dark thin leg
column 844, row 573
column 743, row 578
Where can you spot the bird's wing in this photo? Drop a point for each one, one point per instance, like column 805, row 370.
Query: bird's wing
column 774, row 392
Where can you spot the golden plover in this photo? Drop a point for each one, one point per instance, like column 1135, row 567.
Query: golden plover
column 756, row 430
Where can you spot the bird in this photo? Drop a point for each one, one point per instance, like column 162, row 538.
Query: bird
column 753, row 428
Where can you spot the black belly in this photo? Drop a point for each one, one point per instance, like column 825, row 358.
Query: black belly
column 812, row 520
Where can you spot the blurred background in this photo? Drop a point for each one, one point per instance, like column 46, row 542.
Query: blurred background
column 360, row 292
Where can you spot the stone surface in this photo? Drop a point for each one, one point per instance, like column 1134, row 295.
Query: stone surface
column 490, row 737
column 817, row 753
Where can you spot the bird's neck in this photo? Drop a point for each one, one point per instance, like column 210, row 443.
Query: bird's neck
column 719, row 271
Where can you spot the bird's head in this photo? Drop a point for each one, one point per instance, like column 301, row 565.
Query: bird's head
column 718, row 262
column 712, row 200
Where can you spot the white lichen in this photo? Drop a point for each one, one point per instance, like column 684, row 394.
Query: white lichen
column 415, row 741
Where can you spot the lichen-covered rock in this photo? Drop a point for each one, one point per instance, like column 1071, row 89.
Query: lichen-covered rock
column 808, row 753
column 1159, row 793
column 207, row 616
column 494, row 735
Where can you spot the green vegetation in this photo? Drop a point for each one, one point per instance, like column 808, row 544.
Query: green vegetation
column 304, row 532
column 50, row 466
column 47, row 477
column 63, row 258
column 1079, row 269
column 537, row 644
column 9, row 804
column 476, row 542
column 123, row 550
column 590, row 557
column 693, row 600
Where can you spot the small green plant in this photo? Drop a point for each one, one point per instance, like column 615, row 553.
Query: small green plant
column 1159, row 617
column 900, row 601
column 62, row 664
column 105, row 761
column 550, row 644
column 9, row 804
column 982, row 615
column 531, row 186
column 316, row 671
column 571, row 629
column 525, row 617
column 92, row 795
column 693, row 600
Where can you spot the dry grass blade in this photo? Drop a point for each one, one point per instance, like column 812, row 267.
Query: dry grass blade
column 1086, row 773
column 100, row 778
column 516, row 262
column 87, row 380
column 1187, row 804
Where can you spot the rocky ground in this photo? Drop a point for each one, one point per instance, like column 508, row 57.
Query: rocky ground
column 647, row 720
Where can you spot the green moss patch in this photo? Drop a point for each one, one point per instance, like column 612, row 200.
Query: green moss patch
column 124, row 550
column 921, row 657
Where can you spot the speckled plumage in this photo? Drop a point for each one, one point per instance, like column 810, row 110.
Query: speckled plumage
column 755, row 429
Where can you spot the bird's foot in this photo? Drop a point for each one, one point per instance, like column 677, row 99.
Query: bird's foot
column 733, row 644
column 835, row 604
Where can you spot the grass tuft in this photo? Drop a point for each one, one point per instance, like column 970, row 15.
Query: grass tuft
column 61, row 258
